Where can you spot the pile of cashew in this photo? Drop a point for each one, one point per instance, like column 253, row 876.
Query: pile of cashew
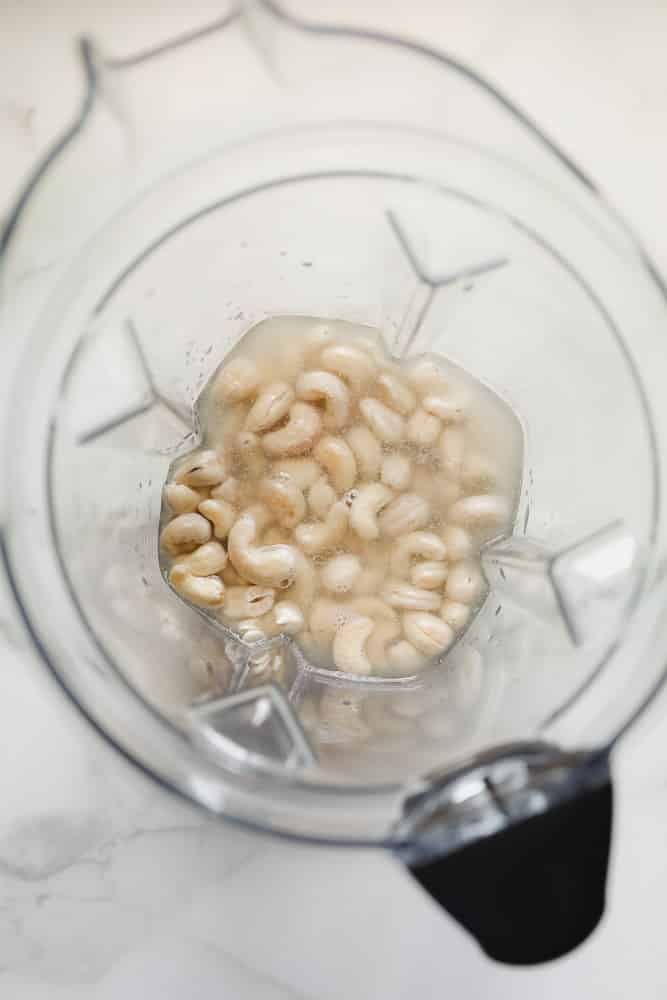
column 338, row 501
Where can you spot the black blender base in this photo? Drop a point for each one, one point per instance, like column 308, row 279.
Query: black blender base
column 536, row 890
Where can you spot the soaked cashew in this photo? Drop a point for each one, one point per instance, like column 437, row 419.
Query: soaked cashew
column 478, row 473
column 423, row 429
column 321, row 497
column 465, row 583
column 340, row 573
column 350, row 363
column 203, row 469
column 231, row 578
column 406, row 513
column 299, row 435
column 322, row 335
column 396, row 393
column 430, row 574
column 264, row 565
column 206, row 591
column 427, row 633
column 239, row 379
column 398, row 594
column 288, row 617
column 304, row 471
column 451, row 449
column 324, row 535
column 424, row 544
column 275, row 535
column 234, row 492
column 302, row 591
column 367, row 451
column 348, row 646
column 383, row 633
column 455, row 614
column 366, row 506
column 316, row 385
column 457, row 542
column 426, row 377
column 271, row 405
column 206, row 560
column 480, row 514
column 387, row 425
column 404, row 659
column 326, row 617
column 369, row 581
column 249, row 454
column 396, row 472
column 182, row 499
column 448, row 409
column 371, row 606
column 185, row 533
column 248, row 602
column 221, row 515
column 284, row 498
column 336, row 456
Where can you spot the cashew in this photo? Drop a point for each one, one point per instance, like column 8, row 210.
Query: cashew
column 482, row 514
column 371, row 606
column 429, row 575
column 208, row 559
column 478, row 473
column 185, row 533
column 423, row 429
column 427, row 633
column 340, row 573
column 455, row 614
column 302, row 591
column 207, row 591
column 457, row 541
column 451, row 449
column 321, row 497
column 271, row 405
column 398, row 594
column 383, row 633
column 395, row 392
column 288, row 617
column 317, row 385
column 350, row 363
column 231, row 578
column 348, row 646
column 321, row 336
column 203, row 469
column 404, row 659
column 326, row 617
column 367, row 451
column 275, row 535
column 426, row 376
column 248, row 602
column 365, row 509
column 298, row 435
column 221, row 515
column 388, row 426
column 181, row 498
column 254, row 629
column 465, row 583
column 369, row 581
column 424, row 544
column 448, row 409
column 239, row 379
column 341, row 720
column 396, row 472
column 323, row 535
column 264, row 565
column 409, row 512
column 249, row 454
column 338, row 459
column 284, row 498
column 233, row 491
column 446, row 492
column 304, row 471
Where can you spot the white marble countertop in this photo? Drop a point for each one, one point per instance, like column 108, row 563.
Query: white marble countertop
column 109, row 887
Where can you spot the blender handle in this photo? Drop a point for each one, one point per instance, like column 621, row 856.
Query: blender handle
column 535, row 890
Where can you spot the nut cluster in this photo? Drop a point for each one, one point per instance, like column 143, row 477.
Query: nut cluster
column 340, row 501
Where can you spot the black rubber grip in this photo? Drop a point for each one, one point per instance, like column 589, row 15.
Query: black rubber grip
column 535, row 890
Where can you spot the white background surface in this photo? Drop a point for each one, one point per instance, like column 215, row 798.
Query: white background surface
column 109, row 888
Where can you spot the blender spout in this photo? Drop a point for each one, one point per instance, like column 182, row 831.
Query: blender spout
column 524, row 830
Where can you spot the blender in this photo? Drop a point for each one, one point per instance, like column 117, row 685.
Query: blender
column 312, row 170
